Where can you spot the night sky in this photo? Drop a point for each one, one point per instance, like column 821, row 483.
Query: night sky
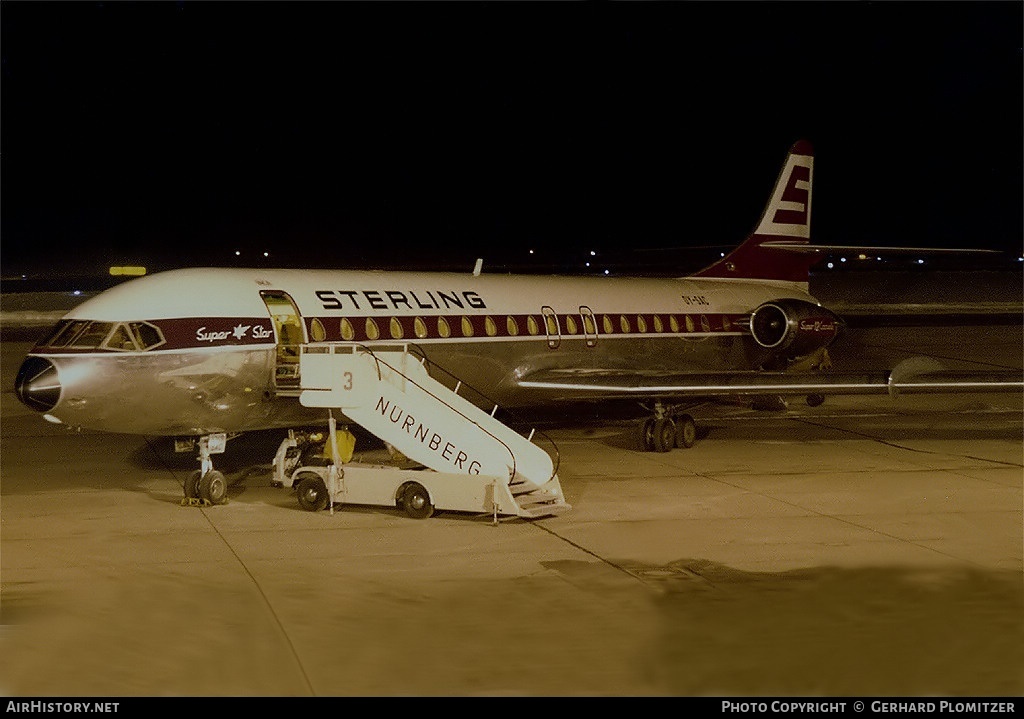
column 429, row 134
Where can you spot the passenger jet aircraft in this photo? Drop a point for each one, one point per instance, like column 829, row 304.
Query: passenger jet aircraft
column 211, row 352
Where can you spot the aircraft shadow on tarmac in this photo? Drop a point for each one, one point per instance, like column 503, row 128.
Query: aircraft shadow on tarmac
column 985, row 419
column 833, row 630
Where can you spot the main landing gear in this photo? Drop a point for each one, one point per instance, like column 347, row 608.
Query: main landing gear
column 206, row 484
column 667, row 429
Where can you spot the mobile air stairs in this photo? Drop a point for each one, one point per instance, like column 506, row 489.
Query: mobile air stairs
column 471, row 461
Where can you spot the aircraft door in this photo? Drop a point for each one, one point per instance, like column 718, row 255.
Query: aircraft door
column 589, row 325
column 291, row 334
column 552, row 327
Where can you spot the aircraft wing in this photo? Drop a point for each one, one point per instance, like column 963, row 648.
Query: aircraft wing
column 913, row 376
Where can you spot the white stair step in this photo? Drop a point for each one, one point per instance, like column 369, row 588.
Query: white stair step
column 547, row 509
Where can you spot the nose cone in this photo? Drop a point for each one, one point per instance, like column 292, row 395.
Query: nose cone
column 37, row 384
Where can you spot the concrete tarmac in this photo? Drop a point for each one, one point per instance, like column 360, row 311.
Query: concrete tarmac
column 868, row 547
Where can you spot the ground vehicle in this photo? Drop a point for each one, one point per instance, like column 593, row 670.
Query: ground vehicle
column 418, row 491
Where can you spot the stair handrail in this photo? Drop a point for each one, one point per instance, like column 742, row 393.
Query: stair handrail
column 558, row 455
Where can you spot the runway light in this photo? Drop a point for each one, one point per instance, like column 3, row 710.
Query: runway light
column 830, row 265
column 920, row 262
column 606, row 272
column 238, row 253
column 593, row 254
column 266, row 254
column 842, row 259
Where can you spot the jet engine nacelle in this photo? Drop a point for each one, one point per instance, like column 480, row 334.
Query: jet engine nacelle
column 793, row 328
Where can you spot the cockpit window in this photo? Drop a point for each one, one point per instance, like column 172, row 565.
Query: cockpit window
column 120, row 340
column 134, row 336
column 124, row 336
column 93, row 335
column 64, row 332
column 146, row 335
column 53, row 333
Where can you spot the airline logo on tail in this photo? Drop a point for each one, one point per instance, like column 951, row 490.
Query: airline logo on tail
column 789, row 211
column 775, row 250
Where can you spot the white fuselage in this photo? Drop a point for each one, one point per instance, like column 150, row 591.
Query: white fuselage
column 213, row 350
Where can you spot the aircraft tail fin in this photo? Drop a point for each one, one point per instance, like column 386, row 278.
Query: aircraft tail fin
column 779, row 247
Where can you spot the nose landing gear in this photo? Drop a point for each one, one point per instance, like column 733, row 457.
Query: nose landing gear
column 211, row 488
column 206, row 484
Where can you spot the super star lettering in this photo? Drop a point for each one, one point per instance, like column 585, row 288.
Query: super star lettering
column 202, row 335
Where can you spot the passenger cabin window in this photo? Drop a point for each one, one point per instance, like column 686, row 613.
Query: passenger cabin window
column 396, row 329
column 348, row 333
column 609, row 326
column 490, row 327
column 317, row 331
column 552, row 324
column 512, row 326
column 443, row 329
column 419, row 327
column 372, row 331
column 532, row 326
column 467, row 327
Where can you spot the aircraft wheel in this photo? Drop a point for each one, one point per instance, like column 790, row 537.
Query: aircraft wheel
column 192, row 484
column 312, row 493
column 664, row 435
column 686, row 431
column 416, row 501
column 814, row 400
column 647, row 434
column 213, row 487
